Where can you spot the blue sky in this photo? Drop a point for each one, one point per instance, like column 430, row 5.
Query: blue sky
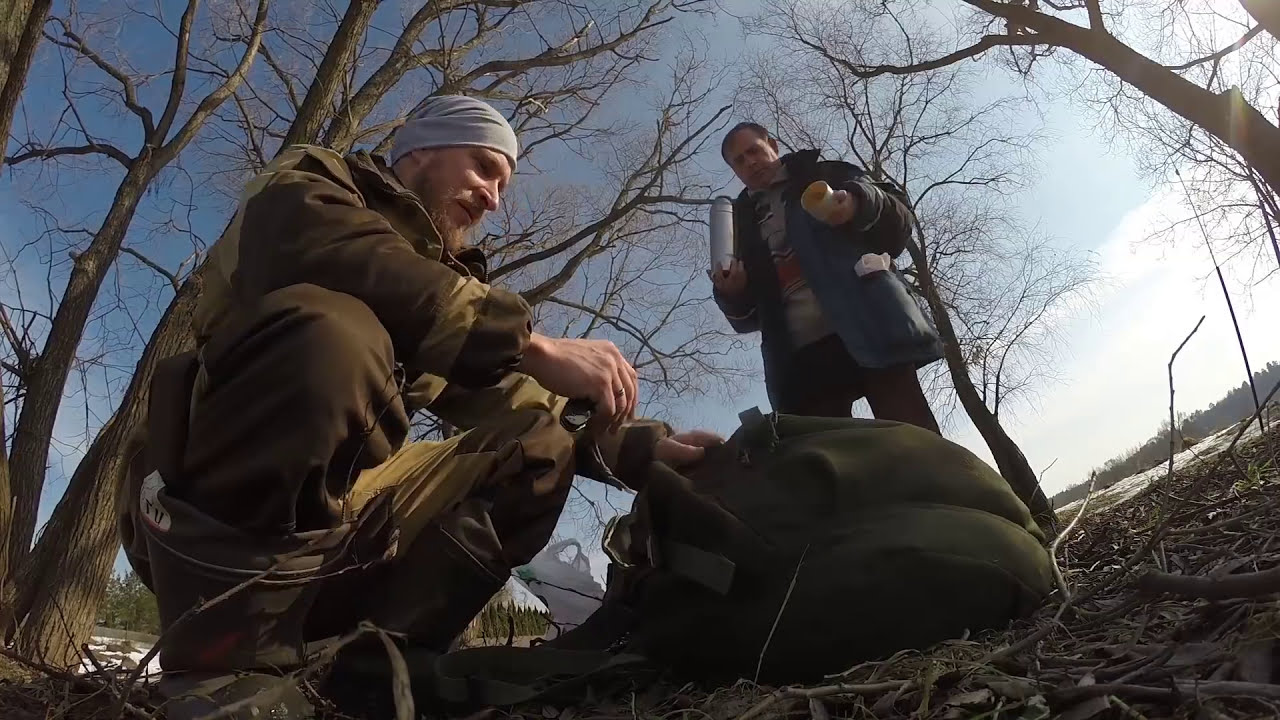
column 1111, row 392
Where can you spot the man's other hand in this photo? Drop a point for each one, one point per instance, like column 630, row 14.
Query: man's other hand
column 590, row 369
column 730, row 283
column 686, row 448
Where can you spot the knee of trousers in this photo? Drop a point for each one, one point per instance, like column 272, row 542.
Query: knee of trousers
column 326, row 329
column 324, row 350
column 530, row 479
column 540, row 437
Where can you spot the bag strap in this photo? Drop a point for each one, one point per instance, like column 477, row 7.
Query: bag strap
column 710, row 570
column 509, row 676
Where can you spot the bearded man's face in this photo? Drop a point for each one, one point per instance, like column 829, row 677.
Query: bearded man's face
column 457, row 186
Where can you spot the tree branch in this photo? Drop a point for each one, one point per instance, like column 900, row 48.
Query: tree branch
column 557, row 57
column 1095, row 16
column 171, row 277
column 178, row 84
column 219, row 95
column 285, row 78
column 129, row 90
column 97, row 148
column 866, row 72
column 1244, row 40
column 20, row 351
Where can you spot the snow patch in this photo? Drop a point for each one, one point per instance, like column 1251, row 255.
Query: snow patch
column 1125, row 490
column 118, row 654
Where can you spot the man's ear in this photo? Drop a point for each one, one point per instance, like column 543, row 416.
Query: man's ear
column 773, row 144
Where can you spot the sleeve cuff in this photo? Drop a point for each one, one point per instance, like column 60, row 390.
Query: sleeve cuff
column 871, row 201
column 627, row 452
column 495, row 342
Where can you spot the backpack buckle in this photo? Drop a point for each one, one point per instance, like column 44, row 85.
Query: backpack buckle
column 758, row 431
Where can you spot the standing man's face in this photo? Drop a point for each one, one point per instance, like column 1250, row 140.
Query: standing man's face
column 754, row 159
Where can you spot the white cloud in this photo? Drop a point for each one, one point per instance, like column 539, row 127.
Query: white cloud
column 1115, row 391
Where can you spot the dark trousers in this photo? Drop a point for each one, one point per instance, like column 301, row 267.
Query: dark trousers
column 297, row 422
column 825, row 381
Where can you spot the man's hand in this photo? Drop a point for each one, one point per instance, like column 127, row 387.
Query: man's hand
column 591, row 369
column 730, row 283
column 686, row 448
column 839, row 210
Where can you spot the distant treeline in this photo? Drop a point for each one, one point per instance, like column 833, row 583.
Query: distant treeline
column 1232, row 408
column 497, row 619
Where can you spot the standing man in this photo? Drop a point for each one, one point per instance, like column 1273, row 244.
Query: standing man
column 275, row 502
column 837, row 323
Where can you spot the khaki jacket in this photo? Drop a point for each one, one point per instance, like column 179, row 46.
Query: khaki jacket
column 347, row 224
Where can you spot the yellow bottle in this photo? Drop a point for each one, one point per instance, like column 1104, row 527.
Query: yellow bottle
column 819, row 200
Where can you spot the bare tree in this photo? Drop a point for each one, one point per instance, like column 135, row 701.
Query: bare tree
column 1230, row 197
column 993, row 293
column 163, row 139
column 1028, row 31
column 552, row 66
column 21, row 22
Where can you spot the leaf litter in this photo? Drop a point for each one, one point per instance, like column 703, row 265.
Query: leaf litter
column 1173, row 614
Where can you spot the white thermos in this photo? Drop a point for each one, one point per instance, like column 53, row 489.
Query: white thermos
column 721, row 233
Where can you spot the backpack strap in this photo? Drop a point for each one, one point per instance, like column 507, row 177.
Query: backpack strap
column 710, row 570
column 509, row 676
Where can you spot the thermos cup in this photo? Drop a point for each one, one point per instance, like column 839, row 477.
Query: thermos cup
column 721, row 233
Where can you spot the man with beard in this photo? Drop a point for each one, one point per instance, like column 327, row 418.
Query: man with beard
column 275, row 503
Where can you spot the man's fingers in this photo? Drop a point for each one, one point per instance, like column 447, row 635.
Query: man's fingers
column 682, row 454
column 699, row 438
column 622, row 397
column 634, row 379
column 625, row 379
column 607, row 404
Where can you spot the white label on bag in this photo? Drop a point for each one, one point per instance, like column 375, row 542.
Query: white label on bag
column 149, row 503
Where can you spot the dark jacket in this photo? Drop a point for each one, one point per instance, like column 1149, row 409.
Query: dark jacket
column 876, row 316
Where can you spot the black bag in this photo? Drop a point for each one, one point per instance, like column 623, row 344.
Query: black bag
column 800, row 548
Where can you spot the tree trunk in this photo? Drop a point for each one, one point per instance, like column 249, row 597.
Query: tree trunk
column 80, row 541
column 1009, row 459
column 48, row 374
column 6, row 517
column 66, row 577
column 1266, row 12
column 20, row 24
column 317, row 106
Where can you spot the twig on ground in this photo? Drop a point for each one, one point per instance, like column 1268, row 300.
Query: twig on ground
column 86, row 683
column 1011, row 650
column 1053, row 548
column 401, row 690
column 896, row 686
column 778, row 618
column 1173, row 422
column 1242, row 585
column 259, row 699
column 797, row 693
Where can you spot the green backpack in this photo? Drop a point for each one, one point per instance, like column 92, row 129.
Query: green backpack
column 799, row 548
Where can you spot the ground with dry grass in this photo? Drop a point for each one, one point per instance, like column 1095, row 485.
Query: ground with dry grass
column 1170, row 612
